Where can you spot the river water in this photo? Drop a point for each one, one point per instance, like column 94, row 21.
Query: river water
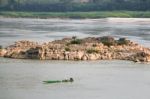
column 22, row 79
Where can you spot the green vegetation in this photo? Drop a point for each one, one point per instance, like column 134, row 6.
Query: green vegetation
column 123, row 41
column 75, row 8
column 67, row 49
column 101, row 14
column 90, row 51
column 94, row 45
column 74, row 5
column 76, row 41
column 108, row 41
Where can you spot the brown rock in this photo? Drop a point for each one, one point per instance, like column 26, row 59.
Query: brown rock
column 2, row 52
column 122, row 49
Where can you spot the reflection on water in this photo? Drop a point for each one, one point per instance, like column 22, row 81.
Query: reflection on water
column 22, row 79
column 49, row 29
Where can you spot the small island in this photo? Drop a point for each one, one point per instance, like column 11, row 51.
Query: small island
column 90, row 48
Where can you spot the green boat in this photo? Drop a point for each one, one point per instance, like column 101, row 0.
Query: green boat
column 59, row 81
column 49, row 81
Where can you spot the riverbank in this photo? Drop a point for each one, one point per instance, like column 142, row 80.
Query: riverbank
column 77, row 15
column 91, row 48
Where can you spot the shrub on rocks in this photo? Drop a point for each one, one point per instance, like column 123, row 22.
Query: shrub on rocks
column 74, row 37
column 90, row 51
column 76, row 41
column 123, row 41
column 94, row 45
column 67, row 49
column 108, row 41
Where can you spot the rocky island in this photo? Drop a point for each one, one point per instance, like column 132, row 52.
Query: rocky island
column 91, row 48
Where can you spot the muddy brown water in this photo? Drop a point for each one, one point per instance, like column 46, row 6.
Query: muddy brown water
column 22, row 79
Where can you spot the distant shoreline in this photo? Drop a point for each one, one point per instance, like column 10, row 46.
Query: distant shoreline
column 76, row 15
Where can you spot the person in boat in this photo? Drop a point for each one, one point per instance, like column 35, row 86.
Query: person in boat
column 66, row 80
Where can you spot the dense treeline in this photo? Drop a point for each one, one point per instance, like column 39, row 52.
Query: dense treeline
column 73, row 5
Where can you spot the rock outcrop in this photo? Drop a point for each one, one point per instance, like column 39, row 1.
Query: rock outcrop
column 91, row 48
